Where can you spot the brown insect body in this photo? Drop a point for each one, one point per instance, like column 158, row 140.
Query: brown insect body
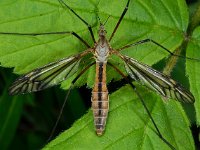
column 100, row 99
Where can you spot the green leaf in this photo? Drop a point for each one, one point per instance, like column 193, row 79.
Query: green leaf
column 129, row 126
column 193, row 69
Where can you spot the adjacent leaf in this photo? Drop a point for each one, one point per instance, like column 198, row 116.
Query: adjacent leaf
column 193, row 69
column 129, row 126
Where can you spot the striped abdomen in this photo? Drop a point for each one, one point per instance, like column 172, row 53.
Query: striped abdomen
column 100, row 104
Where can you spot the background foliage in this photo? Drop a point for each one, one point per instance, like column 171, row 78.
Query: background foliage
column 27, row 120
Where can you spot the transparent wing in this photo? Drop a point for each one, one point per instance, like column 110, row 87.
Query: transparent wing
column 47, row 76
column 157, row 81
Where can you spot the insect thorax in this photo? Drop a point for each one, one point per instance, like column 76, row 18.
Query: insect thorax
column 102, row 50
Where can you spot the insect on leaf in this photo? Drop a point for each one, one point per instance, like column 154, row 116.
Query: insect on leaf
column 159, row 20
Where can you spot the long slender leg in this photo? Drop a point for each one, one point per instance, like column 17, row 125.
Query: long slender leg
column 48, row 33
column 64, row 103
column 120, row 19
column 143, row 103
column 88, row 25
column 156, row 43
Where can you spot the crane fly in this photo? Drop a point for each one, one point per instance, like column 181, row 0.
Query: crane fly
column 56, row 72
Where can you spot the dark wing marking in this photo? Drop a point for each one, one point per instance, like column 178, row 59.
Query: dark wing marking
column 157, row 81
column 47, row 76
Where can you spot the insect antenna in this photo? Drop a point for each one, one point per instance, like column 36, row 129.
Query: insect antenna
column 106, row 20
column 99, row 19
column 143, row 103
column 65, row 100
